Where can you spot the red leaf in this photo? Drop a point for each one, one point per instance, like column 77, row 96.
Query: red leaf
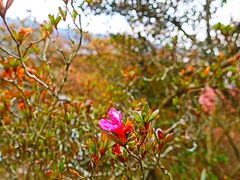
column 9, row 3
column 168, row 137
column 65, row 1
column 2, row 9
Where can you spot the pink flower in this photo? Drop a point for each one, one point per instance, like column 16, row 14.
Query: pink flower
column 114, row 123
column 114, row 127
column 208, row 100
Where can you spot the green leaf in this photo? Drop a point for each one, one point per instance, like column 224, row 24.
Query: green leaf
column 48, row 26
column 144, row 116
column 15, row 34
column 175, row 101
column 137, row 117
column 1, row 106
column 153, row 115
column 57, row 20
column 145, row 108
column 51, row 18
column 63, row 13
column 74, row 15
column 61, row 166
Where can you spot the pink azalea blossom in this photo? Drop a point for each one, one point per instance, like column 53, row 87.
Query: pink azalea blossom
column 208, row 100
column 114, row 123
column 116, row 130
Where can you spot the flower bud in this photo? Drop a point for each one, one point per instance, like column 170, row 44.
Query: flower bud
column 159, row 133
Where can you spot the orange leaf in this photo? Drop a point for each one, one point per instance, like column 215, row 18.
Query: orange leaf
column 206, row 71
column 74, row 173
column 49, row 173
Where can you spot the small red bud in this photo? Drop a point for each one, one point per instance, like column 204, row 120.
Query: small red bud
column 159, row 133
column 65, row 1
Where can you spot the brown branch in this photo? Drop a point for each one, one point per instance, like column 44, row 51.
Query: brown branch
column 31, row 44
column 161, row 166
column 10, row 32
column 230, row 140
column 9, row 53
column 20, row 57
column 68, row 63
column 138, row 159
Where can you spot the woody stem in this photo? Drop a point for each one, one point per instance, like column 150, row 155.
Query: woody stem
column 137, row 158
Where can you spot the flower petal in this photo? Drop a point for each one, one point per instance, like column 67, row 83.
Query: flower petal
column 115, row 116
column 107, row 125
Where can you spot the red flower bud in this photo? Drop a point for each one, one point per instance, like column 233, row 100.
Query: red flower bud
column 159, row 133
column 116, row 150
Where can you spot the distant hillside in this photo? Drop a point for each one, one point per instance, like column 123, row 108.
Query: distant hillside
column 63, row 33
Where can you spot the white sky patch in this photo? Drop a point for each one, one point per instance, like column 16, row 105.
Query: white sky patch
column 230, row 9
column 102, row 24
column 39, row 9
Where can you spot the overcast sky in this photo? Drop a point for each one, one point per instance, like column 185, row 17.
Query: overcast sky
column 100, row 24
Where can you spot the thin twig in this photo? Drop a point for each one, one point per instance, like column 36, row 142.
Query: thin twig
column 137, row 158
column 14, row 83
column 31, row 44
column 161, row 166
column 9, row 53
column 20, row 57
